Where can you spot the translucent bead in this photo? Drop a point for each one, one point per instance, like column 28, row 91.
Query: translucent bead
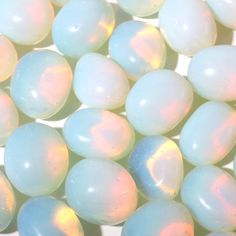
column 209, row 134
column 8, row 58
column 36, row 159
column 212, row 72
column 60, row 3
column 105, row 86
column 47, row 216
column 157, row 167
column 7, row 202
column 209, row 193
column 187, row 25
column 138, row 47
column 26, row 22
column 158, row 102
column 9, row 118
column 101, row 191
column 95, row 133
column 41, row 83
column 83, row 26
column 222, row 234
column 160, row 218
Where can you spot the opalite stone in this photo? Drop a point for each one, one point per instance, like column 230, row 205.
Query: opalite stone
column 140, row 8
column 212, row 73
column 162, row 218
column 105, row 86
column 209, row 134
column 36, row 159
column 7, row 202
column 26, row 22
column 158, row 102
column 60, row 3
column 47, row 216
column 224, row 11
column 138, row 47
column 9, row 118
column 222, row 234
column 209, row 193
column 157, row 167
column 96, row 133
column 8, row 58
column 187, row 25
column 101, row 191
column 41, row 83
column 83, row 26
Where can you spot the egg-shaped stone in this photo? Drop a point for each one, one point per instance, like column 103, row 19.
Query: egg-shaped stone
column 157, row 167
column 47, row 216
column 83, row 26
column 158, row 102
column 138, row 47
column 96, row 133
column 106, row 86
column 60, row 3
column 187, row 25
column 101, row 191
column 222, row 234
column 209, row 192
column 36, row 159
column 209, row 134
column 41, row 83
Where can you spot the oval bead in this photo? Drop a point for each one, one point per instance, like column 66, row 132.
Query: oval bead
column 60, row 3
column 222, row 234
column 42, row 90
column 26, row 22
column 47, row 216
column 209, row 193
column 138, row 47
column 9, row 118
column 209, row 134
column 83, row 26
column 101, row 191
column 187, row 25
column 95, row 133
column 36, row 159
column 7, row 202
column 157, row 167
column 160, row 218
column 105, row 86
column 212, row 73
column 158, row 102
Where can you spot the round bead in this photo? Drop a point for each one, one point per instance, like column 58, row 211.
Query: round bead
column 187, row 25
column 105, row 86
column 209, row 134
column 8, row 58
column 9, row 118
column 138, row 47
column 60, row 3
column 83, row 26
column 209, row 193
column 160, row 218
column 36, row 159
column 7, row 202
column 222, row 234
column 26, row 22
column 41, row 83
column 49, row 217
column 95, row 133
column 101, row 191
column 158, row 102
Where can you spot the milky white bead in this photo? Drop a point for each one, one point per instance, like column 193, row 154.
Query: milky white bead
column 209, row 134
column 9, row 118
column 222, row 234
column 158, row 102
column 105, row 86
column 26, row 21
column 209, row 193
column 212, row 72
column 60, row 3
column 101, row 191
column 83, row 26
column 138, row 47
column 8, row 58
column 187, row 25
